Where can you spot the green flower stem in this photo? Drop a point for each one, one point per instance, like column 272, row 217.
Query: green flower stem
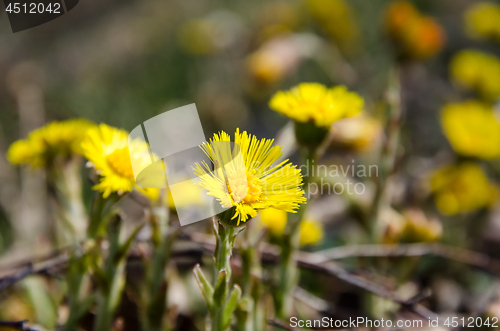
column 78, row 280
column 110, row 277
column 223, row 251
column 388, row 154
column 288, row 271
column 250, row 315
column 220, row 302
column 100, row 211
column 78, row 274
column 155, row 286
column 71, row 218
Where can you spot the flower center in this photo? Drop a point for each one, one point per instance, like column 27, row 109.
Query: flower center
column 245, row 190
column 119, row 161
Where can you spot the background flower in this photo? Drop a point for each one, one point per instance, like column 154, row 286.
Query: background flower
column 472, row 128
column 57, row 139
column 317, row 103
column 478, row 71
column 481, row 20
column 462, row 188
column 107, row 150
column 310, row 231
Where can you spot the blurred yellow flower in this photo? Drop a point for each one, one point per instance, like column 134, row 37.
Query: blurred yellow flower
column 311, row 231
column 252, row 182
column 420, row 228
column 274, row 59
column 275, row 220
column 472, row 129
column 277, row 17
column 337, row 19
column 198, row 36
column 462, row 188
column 313, row 102
column 358, row 133
column 266, row 67
column 43, row 145
column 412, row 226
column 481, row 20
column 477, row 71
column 187, row 194
column 107, row 150
column 417, row 35
column 152, row 194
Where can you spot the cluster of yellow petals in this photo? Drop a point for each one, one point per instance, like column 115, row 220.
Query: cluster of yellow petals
column 107, row 149
column 313, row 102
column 479, row 71
column 462, row 188
column 254, row 181
column 56, row 139
column 481, row 20
column 472, row 128
column 310, row 230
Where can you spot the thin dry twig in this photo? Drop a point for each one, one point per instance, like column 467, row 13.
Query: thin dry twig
column 322, row 261
column 43, row 267
column 461, row 255
column 307, row 260
column 17, row 325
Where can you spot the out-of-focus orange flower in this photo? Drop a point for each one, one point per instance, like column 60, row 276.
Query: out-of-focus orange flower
column 416, row 35
column 398, row 14
column 425, row 38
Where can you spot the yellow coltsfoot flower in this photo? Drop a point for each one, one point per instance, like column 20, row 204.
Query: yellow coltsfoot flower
column 478, row 71
column 251, row 182
column 462, row 188
column 317, row 103
column 314, row 108
column 472, row 129
column 60, row 139
column 107, row 149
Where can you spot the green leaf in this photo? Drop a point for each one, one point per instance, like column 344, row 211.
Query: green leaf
column 220, row 289
column 231, row 304
column 206, row 289
column 122, row 252
column 40, row 299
